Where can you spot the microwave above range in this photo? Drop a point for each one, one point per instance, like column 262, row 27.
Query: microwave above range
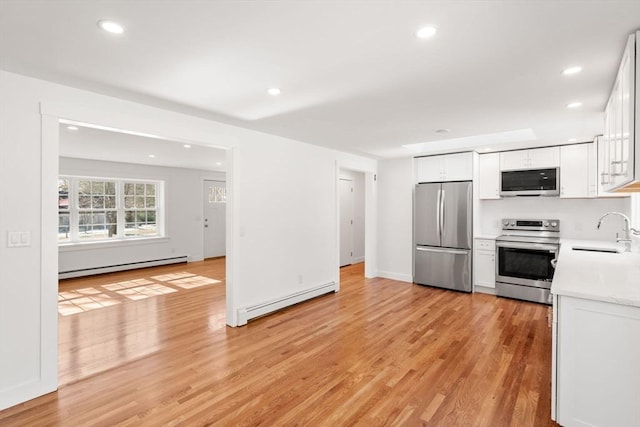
column 530, row 182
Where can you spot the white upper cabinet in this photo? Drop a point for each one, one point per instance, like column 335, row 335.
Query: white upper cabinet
column 489, row 176
column 622, row 157
column 578, row 171
column 548, row 157
column 447, row 167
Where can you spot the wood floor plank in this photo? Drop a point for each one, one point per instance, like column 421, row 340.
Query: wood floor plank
column 378, row 353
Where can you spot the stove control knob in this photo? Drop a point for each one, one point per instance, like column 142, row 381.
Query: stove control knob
column 554, row 224
column 513, row 223
column 506, row 223
column 546, row 224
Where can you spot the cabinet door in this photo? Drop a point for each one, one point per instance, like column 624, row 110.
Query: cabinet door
column 517, row 159
column 429, row 169
column 548, row 157
column 597, row 363
column 620, row 115
column 604, row 165
column 458, row 167
column 489, row 176
column 574, row 176
column 484, row 268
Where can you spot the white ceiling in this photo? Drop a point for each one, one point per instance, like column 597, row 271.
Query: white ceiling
column 107, row 145
column 352, row 74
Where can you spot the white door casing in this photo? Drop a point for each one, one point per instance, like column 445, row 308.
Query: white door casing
column 214, row 224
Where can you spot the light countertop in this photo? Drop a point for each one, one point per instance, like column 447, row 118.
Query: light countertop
column 486, row 236
column 608, row 277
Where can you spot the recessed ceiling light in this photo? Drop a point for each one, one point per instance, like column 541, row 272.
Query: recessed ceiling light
column 572, row 139
column 574, row 104
column 571, row 70
column 110, row 26
column 218, row 163
column 444, row 130
column 187, row 146
column 72, row 127
column 152, row 155
column 425, row 32
column 273, row 91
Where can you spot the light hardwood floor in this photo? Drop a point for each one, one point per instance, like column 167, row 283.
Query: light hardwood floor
column 379, row 352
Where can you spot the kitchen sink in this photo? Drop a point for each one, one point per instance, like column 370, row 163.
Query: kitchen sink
column 596, row 249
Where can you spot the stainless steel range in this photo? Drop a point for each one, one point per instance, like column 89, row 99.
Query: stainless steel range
column 525, row 258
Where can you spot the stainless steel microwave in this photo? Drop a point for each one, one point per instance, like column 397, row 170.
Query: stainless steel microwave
column 530, row 182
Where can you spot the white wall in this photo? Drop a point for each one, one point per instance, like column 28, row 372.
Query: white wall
column 578, row 217
column 395, row 219
column 357, row 179
column 282, row 213
column 183, row 201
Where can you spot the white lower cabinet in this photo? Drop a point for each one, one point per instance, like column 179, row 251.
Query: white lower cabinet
column 597, row 363
column 484, row 263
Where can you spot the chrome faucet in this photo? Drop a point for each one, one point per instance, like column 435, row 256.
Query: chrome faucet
column 627, row 229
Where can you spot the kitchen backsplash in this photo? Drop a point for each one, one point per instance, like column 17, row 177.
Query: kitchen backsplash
column 578, row 217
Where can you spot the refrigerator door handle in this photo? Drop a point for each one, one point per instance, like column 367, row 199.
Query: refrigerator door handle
column 438, row 218
column 442, row 212
column 442, row 250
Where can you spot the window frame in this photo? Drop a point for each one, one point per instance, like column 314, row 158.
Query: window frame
column 120, row 236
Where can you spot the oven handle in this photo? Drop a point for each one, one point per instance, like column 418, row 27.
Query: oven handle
column 532, row 246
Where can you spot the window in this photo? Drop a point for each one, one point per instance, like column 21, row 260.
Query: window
column 104, row 209
column 140, row 209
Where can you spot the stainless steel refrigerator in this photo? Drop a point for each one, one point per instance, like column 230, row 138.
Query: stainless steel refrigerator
column 443, row 233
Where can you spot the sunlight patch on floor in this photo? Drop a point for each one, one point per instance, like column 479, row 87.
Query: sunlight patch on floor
column 86, row 299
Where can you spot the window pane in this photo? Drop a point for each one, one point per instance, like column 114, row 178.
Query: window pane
column 141, row 216
column 151, row 189
column 128, row 202
column 139, row 202
column 129, row 216
column 151, row 202
column 63, row 194
column 97, row 187
column 128, row 189
column 112, row 217
column 84, row 218
column 151, row 216
column 98, row 218
column 84, row 187
column 84, row 202
column 97, row 202
column 110, row 188
column 63, row 227
column 110, row 202
column 139, row 189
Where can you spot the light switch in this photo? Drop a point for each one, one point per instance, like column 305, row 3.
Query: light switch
column 17, row 239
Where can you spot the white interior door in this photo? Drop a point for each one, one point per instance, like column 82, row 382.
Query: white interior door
column 215, row 206
column 346, row 222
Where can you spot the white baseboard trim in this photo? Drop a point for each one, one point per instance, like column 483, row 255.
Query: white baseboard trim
column 484, row 290
column 359, row 259
column 401, row 277
column 251, row 312
column 120, row 267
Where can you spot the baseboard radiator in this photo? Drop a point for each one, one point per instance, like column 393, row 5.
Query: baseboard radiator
column 120, row 267
column 247, row 313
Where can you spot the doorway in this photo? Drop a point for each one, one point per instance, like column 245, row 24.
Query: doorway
column 138, row 200
column 352, row 217
column 215, row 218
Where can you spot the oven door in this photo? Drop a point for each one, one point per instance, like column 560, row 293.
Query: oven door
column 526, row 264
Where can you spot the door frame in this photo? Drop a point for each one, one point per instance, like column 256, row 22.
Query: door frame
column 50, row 116
column 370, row 219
